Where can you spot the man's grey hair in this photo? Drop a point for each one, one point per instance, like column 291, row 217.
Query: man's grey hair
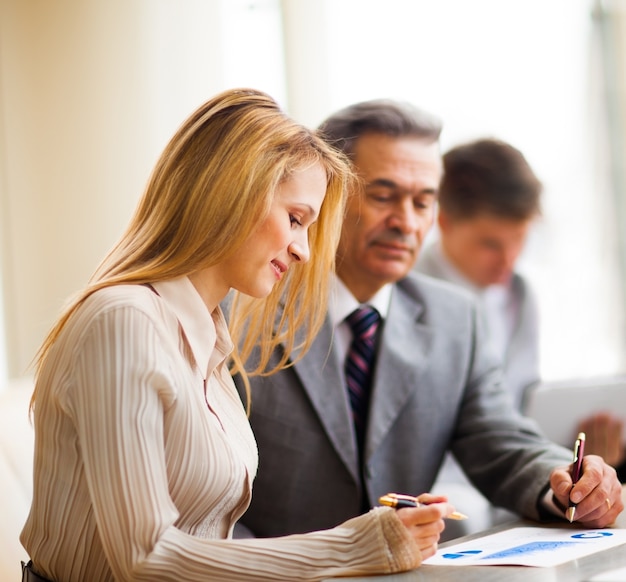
column 378, row 116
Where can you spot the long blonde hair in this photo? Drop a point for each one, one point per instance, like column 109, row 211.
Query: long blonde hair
column 212, row 185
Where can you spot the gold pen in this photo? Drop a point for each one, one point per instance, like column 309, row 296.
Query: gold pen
column 397, row 501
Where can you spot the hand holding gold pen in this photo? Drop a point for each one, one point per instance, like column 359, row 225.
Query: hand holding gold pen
column 398, row 501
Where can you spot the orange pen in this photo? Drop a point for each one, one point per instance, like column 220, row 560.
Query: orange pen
column 397, row 501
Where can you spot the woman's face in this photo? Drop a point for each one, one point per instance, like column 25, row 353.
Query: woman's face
column 281, row 239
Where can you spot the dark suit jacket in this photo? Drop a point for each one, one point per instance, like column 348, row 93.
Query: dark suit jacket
column 435, row 388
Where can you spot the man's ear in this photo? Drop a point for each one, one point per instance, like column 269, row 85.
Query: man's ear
column 443, row 221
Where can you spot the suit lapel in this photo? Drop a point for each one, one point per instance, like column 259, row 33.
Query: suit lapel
column 323, row 381
column 519, row 337
column 402, row 356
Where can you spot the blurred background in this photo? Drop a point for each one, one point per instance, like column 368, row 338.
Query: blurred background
column 91, row 91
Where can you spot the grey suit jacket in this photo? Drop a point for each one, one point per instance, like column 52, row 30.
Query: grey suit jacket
column 435, row 389
column 521, row 359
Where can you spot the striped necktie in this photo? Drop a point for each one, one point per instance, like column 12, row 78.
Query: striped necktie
column 359, row 363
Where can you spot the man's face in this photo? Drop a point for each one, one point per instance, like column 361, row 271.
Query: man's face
column 484, row 248
column 387, row 221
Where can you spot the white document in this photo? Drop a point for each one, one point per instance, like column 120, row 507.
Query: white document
column 618, row 575
column 529, row 546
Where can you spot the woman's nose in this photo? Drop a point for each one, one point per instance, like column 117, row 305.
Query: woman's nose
column 299, row 249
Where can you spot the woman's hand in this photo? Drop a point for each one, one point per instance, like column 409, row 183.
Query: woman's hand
column 425, row 523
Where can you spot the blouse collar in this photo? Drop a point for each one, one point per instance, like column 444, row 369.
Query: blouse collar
column 206, row 333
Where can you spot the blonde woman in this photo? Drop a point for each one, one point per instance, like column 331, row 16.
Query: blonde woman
column 144, row 457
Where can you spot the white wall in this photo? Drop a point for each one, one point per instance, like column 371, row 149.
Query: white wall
column 90, row 93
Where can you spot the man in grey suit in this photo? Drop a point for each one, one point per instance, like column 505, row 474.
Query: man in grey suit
column 435, row 386
column 489, row 198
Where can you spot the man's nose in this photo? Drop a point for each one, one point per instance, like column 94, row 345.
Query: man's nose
column 509, row 256
column 405, row 217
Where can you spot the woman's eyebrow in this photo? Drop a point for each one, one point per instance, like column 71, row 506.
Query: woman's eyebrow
column 308, row 209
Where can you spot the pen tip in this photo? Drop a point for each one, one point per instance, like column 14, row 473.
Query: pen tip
column 570, row 513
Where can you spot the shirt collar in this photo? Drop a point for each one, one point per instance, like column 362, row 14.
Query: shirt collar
column 206, row 333
column 342, row 303
column 452, row 274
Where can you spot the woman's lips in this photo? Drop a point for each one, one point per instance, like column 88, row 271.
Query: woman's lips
column 279, row 267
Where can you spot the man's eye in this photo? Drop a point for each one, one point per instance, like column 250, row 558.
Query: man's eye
column 380, row 196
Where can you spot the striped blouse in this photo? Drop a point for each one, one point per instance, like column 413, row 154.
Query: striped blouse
column 144, row 457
